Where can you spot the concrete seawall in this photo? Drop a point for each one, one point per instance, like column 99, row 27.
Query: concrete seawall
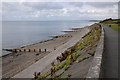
column 94, row 70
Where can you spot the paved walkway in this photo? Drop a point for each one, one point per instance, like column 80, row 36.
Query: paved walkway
column 110, row 55
column 44, row 62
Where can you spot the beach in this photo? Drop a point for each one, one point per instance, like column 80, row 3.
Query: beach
column 16, row 62
column 48, row 59
column 54, row 40
column 37, row 57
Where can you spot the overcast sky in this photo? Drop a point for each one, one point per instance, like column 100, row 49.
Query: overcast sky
column 58, row 10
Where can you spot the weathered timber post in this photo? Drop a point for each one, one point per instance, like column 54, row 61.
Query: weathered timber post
column 39, row 50
column 45, row 50
column 34, row 50
column 24, row 50
column 29, row 50
column 19, row 50
column 15, row 50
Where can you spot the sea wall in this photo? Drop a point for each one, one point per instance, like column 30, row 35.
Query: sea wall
column 94, row 70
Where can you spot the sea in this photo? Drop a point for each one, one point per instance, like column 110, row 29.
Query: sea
column 20, row 33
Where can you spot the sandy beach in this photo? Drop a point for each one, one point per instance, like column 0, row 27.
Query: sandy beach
column 37, row 57
column 27, row 55
column 48, row 59
column 59, row 40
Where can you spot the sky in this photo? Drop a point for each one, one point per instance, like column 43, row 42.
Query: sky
column 42, row 11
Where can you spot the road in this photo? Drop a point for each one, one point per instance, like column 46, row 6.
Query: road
column 110, row 56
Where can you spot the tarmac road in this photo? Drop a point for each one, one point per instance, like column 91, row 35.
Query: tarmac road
column 110, row 56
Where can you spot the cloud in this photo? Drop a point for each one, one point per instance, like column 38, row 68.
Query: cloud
column 58, row 10
column 102, row 4
column 45, row 5
column 60, row 0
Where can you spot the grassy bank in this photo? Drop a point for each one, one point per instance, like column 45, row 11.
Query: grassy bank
column 113, row 23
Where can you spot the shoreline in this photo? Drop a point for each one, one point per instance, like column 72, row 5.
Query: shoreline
column 13, row 63
column 43, row 41
column 6, row 49
column 27, row 58
column 45, row 61
column 92, row 35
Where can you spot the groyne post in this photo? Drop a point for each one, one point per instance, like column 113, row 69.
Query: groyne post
column 24, row 50
column 39, row 50
column 15, row 50
column 19, row 50
column 34, row 50
column 45, row 50
column 29, row 50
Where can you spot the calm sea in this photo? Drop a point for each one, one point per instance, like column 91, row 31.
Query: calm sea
column 20, row 33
